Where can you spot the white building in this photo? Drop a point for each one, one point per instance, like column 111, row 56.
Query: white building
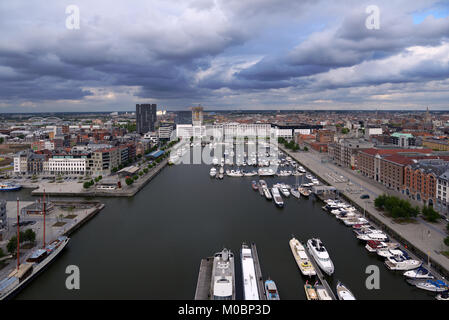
column 21, row 163
column 372, row 132
column 184, row 131
column 65, row 165
column 153, row 137
column 165, row 131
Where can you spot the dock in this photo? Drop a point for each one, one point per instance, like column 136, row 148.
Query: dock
column 260, row 282
column 320, row 275
column 204, row 279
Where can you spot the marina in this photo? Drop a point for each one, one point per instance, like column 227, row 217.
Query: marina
column 141, row 230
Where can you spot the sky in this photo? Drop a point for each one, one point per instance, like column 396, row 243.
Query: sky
column 224, row 55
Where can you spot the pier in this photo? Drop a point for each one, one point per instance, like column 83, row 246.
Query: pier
column 260, row 282
column 202, row 291
column 321, row 276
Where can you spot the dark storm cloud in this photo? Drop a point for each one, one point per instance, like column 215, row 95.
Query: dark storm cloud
column 180, row 50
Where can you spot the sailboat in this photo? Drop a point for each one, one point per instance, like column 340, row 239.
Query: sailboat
column 35, row 264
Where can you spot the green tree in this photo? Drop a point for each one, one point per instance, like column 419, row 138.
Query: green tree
column 306, row 149
column 430, row 214
column 29, row 235
column 86, row 185
column 446, row 241
column 129, row 181
column 12, row 245
column 345, row 130
column 2, row 140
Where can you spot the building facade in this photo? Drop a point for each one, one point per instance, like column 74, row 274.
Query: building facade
column 145, row 117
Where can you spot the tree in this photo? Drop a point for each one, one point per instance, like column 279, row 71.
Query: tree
column 447, row 227
column 446, row 241
column 306, row 149
column 29, row 235
column 145, row 170
column 2, row 140
column 12, row 245
column 379, row 202
column 86, row 185
column 345, row 130
column 2, row 254
column 430, row 214
column 129, row 181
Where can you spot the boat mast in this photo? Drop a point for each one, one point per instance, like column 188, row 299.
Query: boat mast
column 18, row 236
column 44, row 218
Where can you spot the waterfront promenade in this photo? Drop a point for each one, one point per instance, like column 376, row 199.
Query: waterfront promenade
column 424, row 236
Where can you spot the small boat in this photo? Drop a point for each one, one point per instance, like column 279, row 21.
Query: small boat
column 311, row 293
column 321, row 256
column 322, row 292
column 373, row 235
column 285, row 191
column 220, row 176
column 301, row 258
column 212, row 172
column 430, row 285
column 304, row 192
column 420, row 273
column 8, row 186
column 343, row 292
column 254, row 185
column 277, row 197
column 234, row 173
column 374, row 245
column 267, row 194
column 263, row 184
column 295, row 193
column 444, row 296
column 271, row 290
column 250, row 174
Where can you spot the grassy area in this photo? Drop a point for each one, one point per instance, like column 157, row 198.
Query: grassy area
column 59, row 224
column 404, row 220
column 71, row 216
column 6, row 168
column 445, row 253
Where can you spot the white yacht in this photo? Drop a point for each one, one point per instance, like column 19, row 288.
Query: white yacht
column 321, row 256
column 295, row 193
column 402, row 262
column 285, row 191
column 301, row 258
column 343, row 292
column 377, row 235
column 223, row 279
column 212, row 172
column 267, row 193
column 420, row 273
column 277, row 197
column 249, row 274
column 234, row 173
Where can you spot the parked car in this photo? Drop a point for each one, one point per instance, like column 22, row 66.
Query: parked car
column 364, row 196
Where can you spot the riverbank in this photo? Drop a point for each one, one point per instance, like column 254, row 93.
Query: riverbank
column 423, row 241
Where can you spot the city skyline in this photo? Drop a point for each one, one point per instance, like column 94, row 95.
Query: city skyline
column 224, row 55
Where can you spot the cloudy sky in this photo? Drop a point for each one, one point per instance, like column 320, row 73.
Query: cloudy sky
column 223, row 54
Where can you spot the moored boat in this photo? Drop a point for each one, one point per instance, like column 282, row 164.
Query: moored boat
column 430, row 285
column 301, row 258
column 271, row 290
column 254, row 185
column 277, row 197
column 223, row 279
column 295, row 193
column 343, row 292
column 311, row 293
column 9, row 186
column 420, row 273
column 321, row 256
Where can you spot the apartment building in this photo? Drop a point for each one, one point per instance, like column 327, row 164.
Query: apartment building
column 345, row 152
column 66, row 165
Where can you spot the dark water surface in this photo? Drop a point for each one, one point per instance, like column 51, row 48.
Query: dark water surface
column 150, row 246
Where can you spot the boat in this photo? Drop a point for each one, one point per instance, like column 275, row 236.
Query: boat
column 267, row 194
column 295, row 193
column 212, row 172
column 311, row 293
column 322, row 292
column 402, row 262
column 285, row 191
column 263, row 184
column 373, row 235
column 301, row 258
column 223, row 279
column 266, row 172
column 321, row 256
column 430, row 285
column 271, row 290
column 254, row 185
column 249, row 274
column 250, row 174
column 34, row 265
column 215, row 161
column 9, row 186
column 420, row 273
column 343, row 292
column 444, row 296
column 220, row 176
column 277, row 197
column 374, row 245
column 234, row 173
column 221, row 170
column 304, row 192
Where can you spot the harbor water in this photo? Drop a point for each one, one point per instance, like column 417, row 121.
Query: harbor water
column 150, row 246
